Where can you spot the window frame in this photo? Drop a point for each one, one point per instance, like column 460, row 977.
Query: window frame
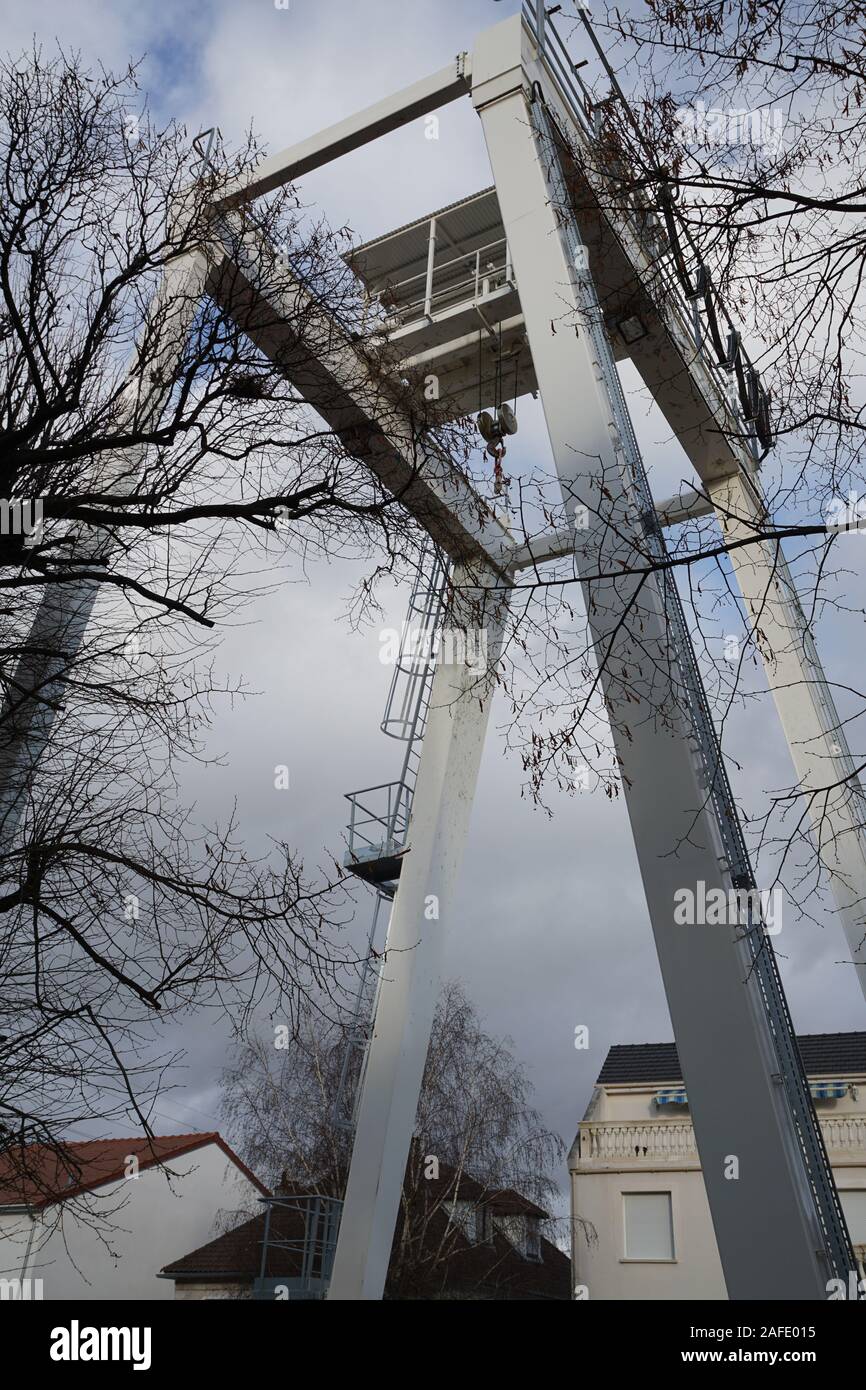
column 625, row 1257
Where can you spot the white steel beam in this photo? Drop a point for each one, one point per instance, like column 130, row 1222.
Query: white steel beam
column 554, row 545
column 765, row 1224
column 833, row 796
column 686, row 505
column 679, row 380
column 364, row 404
column 830, row 796
column 411, row 971
column 550, row 545
column 381, row 118
column 431, row 261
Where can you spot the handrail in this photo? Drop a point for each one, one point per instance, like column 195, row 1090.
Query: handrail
column 444, row 265
column 616, row 1138
column 370, row 827
column 453, row 286
column 313, row 1250
column 752, row 404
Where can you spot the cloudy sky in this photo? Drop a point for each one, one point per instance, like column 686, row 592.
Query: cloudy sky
column 553, row 930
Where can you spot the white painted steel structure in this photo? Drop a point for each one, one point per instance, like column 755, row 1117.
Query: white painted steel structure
column 541, row 259
column 709, row 980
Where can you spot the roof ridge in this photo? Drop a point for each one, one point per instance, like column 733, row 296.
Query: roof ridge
column 671, row 1042
column 134, row 1138
column 92, row 1163
column 646, row 1063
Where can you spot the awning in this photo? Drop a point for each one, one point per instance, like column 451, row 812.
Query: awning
column 672, row 1095
column 828, row 1090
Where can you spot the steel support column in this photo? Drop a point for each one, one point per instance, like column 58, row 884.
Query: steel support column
column 422, row 914
column 758, row 1189
column 832, row 796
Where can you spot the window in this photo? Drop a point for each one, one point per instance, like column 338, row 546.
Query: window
column 533, row 1238
column 465, row 1215
column 649, row 1226
column 522, row 1232
column 854, row 1206
column 513, row 1228
column 485, row 1225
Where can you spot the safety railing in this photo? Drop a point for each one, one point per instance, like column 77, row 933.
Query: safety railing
column 683, row 289
column 378, row 821
column 298, row 1246
column 465, row 278
column 671, row 1141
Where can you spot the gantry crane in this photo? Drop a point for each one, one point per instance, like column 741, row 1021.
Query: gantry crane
column 486, row 281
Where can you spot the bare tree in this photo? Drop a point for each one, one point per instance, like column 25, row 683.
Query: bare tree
column 166, row 480
column 154, row 464
column 750, row 120
column 733, row 135
column 476, row 1133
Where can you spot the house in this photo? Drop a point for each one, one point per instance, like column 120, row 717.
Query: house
column 640, row 1217
column 465, row 1242
column 98, row 1219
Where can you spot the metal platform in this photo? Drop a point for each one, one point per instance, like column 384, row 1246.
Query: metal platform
column 441, row 292
column 378, row 829
column 298, row 1244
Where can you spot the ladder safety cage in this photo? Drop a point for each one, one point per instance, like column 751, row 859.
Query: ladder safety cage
column 357, row 1036
column 379, row 820
column 378, row 830
column 409, row 694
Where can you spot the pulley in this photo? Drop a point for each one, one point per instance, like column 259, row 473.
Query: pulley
column 495, row 428
column 487, row 426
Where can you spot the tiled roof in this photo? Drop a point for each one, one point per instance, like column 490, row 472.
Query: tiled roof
column 507, row 1202
column 824, row 1054
column 238, row 1253
column 451, row 1183
column 486, row 1269
column 489, row 1269
column 39, row 1174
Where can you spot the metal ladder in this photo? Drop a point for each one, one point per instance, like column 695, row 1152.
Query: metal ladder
column 405, row 719
column 827, row 1209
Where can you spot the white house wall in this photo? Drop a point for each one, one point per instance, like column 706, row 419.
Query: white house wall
column 620, row 1119
column 154, row 1219
column 602, row 1269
